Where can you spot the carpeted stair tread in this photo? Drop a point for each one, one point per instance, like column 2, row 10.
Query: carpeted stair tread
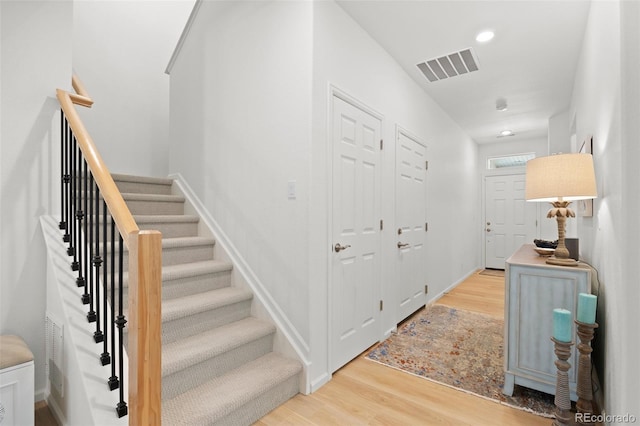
column 166, row 198
column 180, row 242
column 186, row 270
column 183, row 353
column 140, row 196
column 170, row 218
column 120, row 177
column 202, row 302
column 175, row 242
column 221, row 396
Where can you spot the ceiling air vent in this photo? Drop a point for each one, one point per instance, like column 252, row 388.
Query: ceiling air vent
column 449, row 65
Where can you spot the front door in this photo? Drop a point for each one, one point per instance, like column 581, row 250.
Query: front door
column 355, row 245
column 411, row 213
column 510, row 220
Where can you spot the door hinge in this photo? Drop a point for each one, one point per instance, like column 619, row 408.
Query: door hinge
column 381, row 144
column 426, row 165
column 381, row 304
column 426, row 289
column 381, row 224
column 426, row 226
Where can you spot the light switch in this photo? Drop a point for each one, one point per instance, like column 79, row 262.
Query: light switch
column 291, row 190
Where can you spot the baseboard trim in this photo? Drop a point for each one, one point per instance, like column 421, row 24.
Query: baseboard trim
column 451, row 287
column 56, row 411
column 319, row 382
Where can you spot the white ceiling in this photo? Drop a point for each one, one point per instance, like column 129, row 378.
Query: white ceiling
column 530, row 62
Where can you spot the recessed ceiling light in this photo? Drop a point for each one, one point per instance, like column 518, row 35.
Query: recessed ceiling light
column 484, row 36
column 506, row 133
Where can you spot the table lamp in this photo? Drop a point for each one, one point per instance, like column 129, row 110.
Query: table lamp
column 561, row 179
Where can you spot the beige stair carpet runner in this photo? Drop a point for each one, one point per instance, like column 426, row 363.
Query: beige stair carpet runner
column 218, row 364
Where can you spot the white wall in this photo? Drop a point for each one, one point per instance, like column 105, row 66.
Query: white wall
column 346, row 57
column 249, row 96
column 120, row 52
column 559, row 133
column 36, row 59
column 240, row 113
column 605, row 103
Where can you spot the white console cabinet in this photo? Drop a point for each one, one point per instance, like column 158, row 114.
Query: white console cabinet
column 16, row 383
column 533, row 289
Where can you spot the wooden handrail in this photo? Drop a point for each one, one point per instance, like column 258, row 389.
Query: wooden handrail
column 118, row 208
column 145, row 274
column 81, row 97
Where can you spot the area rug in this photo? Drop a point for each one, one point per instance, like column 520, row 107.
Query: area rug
column 460, row 349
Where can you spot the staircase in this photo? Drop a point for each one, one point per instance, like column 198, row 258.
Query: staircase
column 218, row 364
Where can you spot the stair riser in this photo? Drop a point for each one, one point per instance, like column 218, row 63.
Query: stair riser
column 142, row 207
column 178, row 255
column 155, row 207
column 198, row 323
column 193, row 285
column 184, row 380
column 143, row 188
column 172, row 230
column 194, row 324
column 187, row 286
column 128, row 187
column 259, row 407
column 168, row 229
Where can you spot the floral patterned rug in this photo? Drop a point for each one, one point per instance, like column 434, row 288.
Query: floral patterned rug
column 460, row 349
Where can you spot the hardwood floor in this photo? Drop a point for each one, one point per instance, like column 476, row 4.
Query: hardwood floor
column 43, row 416
column 368, row 393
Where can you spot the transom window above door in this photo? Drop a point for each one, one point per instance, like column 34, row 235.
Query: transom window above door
column 515, row 160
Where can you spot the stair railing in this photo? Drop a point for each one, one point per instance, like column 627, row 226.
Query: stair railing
column 92, row 208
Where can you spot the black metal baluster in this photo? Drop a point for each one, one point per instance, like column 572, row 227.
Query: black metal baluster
column 80, row 282
column 105, row 358
column 71, row 251
column 121, row 408
column 114, row 383
column 88, row 191
column 67, row 180
column 62, row 224
column 84, row 194
column 97, row 260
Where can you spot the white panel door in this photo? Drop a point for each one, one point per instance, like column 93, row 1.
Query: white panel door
column 411, row 213
column 510, row 220
column 355, row 284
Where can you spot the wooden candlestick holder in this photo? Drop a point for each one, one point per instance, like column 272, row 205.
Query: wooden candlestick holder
column 584, row 388
column 562, row 399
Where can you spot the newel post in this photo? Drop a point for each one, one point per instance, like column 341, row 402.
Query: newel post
column 145, row 330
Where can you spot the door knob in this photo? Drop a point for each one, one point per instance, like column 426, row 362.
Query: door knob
column 401, row 245
column 338, row 248
column 488, row 229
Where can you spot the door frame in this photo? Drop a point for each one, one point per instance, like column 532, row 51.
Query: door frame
column 334, row 91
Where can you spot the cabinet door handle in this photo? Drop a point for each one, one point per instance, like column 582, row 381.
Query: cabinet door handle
column 401, row 245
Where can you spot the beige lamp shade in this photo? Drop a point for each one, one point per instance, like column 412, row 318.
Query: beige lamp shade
column 562, row 176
